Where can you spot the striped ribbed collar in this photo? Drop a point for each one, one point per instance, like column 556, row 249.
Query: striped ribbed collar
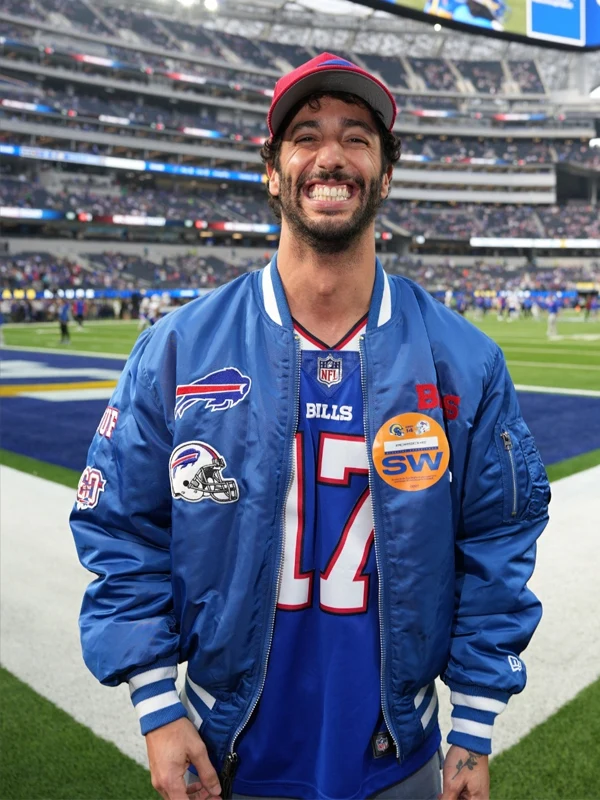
column 277, row 308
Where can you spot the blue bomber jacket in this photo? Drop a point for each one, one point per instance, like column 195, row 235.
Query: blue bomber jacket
column 179, row 513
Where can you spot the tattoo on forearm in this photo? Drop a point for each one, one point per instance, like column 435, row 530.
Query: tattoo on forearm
column 470, row 763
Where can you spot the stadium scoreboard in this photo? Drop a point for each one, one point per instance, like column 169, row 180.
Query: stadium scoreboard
column 567, row 23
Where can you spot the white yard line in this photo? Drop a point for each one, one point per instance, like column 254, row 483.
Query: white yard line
column 553, row 365
column 522, row 387
column 42, row 585
column 64, row 351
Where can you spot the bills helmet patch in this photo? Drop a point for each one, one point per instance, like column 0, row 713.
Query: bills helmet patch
column 195, row 470
column 91, row 484
column 218, row 390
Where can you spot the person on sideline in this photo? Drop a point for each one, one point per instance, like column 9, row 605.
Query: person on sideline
column 64, row 317
column 315, row 486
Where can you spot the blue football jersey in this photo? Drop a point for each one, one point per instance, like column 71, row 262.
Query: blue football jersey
column 315, row 731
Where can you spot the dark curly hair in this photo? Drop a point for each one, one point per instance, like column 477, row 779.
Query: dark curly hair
column 270, row 151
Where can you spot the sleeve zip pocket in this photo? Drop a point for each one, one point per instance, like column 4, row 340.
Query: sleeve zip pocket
column 525, row 484
column 508, row 446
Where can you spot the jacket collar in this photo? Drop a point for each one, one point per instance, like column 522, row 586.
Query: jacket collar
column 277, row 308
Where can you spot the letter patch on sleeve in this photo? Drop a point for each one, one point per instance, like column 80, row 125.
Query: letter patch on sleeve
column 108, row 422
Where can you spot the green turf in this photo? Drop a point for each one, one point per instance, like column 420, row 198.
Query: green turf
column 44, row 753
column 570, row 362
column 59, row 759
column 558, row 760
column 68, row 477
column 570, row 466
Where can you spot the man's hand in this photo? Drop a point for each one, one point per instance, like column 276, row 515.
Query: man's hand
column 466, row 775
column 171, row 750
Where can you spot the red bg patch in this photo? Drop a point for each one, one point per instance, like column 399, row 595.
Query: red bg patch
column 428, row 397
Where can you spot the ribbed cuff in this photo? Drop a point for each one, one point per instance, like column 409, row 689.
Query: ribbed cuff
column 155, row 697
column 473, row 719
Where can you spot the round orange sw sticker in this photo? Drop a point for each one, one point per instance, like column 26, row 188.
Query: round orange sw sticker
column 411, row 452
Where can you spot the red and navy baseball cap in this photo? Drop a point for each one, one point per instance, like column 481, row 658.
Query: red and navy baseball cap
column 329, row 73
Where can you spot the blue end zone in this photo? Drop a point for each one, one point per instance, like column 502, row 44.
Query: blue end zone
column 563, row 425
column 60, row 432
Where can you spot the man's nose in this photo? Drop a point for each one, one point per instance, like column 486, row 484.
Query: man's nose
column 331, row 156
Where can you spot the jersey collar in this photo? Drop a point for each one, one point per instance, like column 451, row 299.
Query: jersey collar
column 276, row 306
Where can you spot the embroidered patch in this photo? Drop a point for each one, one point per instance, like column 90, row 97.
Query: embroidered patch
column 195, row 470
column 90, row 485
column 411, row 452
column 381, row 744
column 329, row 371
column 219, row 391
column 108, row 422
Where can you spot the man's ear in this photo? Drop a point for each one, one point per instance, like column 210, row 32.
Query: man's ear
column 273, row 181
column 386, row 183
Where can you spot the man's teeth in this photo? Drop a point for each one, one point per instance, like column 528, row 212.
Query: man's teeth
column 323, row 192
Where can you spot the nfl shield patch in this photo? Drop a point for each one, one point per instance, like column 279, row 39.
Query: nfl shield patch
column 329, row 371
column 381, row 744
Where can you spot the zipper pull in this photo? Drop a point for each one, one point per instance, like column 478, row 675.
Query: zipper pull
column 507, row 440
column 230, row 766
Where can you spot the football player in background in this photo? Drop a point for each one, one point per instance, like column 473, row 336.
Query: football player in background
column 317, row 489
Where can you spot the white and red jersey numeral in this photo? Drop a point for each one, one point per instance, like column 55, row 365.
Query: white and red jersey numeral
column 295, row 589
column 343, row 588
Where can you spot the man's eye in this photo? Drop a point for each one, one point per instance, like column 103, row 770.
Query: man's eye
column 357, row 140
column 306, row 138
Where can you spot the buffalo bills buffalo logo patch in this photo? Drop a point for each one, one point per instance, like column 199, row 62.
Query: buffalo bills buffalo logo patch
column 218, row 391
column 91, row 484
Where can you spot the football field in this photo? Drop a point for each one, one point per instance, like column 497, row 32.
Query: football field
column 64, row 737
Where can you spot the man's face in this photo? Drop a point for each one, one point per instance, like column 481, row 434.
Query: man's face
column 329, row 179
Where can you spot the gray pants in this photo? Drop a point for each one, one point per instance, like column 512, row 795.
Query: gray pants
column 425, row 784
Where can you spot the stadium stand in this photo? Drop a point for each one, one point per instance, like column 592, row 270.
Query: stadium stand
column 435, row 73
column 391, row 70
column 214, row 81
column 526, row 74
column 485, row 76
column 79, row 14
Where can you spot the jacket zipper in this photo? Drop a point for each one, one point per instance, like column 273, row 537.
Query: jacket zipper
column 384, row 706
column 508, row 446
column 231, row 761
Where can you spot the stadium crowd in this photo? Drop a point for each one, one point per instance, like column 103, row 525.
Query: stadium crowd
column 80, row 194
column 111, row 269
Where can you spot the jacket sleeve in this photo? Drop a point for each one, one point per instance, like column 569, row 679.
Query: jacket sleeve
column 504, row 510
column 121, row 525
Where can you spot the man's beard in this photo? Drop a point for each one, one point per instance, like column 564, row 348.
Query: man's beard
column 329, row 235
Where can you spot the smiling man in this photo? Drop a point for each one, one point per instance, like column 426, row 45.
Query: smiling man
column 319, row 492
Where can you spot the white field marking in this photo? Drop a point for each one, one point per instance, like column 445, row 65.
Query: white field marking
column 39, row 608
column 583, row 337
column 39, row 371
column 521, row 387
column 69, row 395
column 554, row 365
column 96, row 323
column 550, row 351
column 65, row 351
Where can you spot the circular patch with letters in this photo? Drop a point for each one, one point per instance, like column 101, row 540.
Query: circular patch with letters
column 411, row 452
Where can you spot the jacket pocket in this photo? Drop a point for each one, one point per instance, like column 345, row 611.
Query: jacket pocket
column 525, row 483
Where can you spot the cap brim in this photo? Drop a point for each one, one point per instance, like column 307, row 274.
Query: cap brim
column 334, row 80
